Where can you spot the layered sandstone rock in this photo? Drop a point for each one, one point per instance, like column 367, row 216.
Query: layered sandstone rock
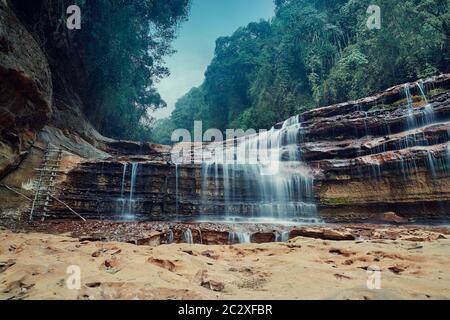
column 25, row 91
column 366, row 157
column 388, row 152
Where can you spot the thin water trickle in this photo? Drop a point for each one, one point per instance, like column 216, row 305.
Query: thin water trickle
column 128, row 201
column 448, row 152
column 122, row 199
column 170, row 237
column 428, row 112
column 411, row 119
column 282, row 236
column 124, row 174
column 187, row 236
column 238, row 238
column 134, row 172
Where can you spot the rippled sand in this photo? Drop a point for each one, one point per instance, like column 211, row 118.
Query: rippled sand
column 34, row 266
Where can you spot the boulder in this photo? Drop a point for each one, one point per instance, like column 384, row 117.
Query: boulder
column 389, row 217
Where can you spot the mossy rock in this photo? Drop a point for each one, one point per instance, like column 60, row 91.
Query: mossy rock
column 336, row 201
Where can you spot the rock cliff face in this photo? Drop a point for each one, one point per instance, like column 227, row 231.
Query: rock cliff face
column 25, row 91
column 389, row 152
column 383, row 153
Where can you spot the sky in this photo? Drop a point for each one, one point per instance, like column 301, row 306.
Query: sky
column 195, row 44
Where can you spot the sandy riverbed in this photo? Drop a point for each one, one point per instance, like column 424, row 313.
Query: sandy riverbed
column 34, row 266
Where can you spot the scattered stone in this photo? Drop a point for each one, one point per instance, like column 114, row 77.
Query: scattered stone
column 189, row 252
column 152, row 240
column 341, row 252
column 210, row 254
column 165, row 264
column 112, row 265
column 263, row 237
column 213, row 285
column 207, row 282
column 389, row 217
column 5, row 265
column 322, row 233
column 307, row 233
column 341, row 276
column 397, row 269
column 93, row 284
column 97, row 253
column 337, row 235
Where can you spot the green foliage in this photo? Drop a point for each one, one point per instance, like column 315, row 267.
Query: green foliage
column 315, row 53
column 122, row 44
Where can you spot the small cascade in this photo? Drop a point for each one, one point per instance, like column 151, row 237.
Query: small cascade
column 127, row 202
column 238, row 238
column 134, row 172
column 200, row 235
column 269, row 171
column 428, row 112
column 431, row 164
column 122, row 201
column 170, row 236
column 187, row 236
column 282, row 236
column 411, row 119
column 124, row 174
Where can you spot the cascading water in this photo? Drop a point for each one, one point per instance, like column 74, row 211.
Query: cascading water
column 260, row 176
column 134, row 172
column 122, row 199
column 427, row 115
column 127, row 202
column 177, row 191
column 415, row 121
column 411, row 119
column 428, row 110
column 170, row 236
column 238, row 238
column 282, row 236
column 448, row 152
column 187, row 236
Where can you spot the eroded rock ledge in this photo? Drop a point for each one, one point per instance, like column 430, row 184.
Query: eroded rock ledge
column 365, row 155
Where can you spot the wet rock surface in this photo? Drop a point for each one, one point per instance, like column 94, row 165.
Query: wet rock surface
column 366, row 158
column 160, row 233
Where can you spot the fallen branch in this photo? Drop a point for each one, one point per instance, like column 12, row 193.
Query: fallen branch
column 67, row 206
column 17, row 192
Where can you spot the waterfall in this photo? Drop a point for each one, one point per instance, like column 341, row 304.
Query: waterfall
column 127, row 201
column 260, row 176
column 238, row 238
column 428, row 111
column 427, row 116
column 170, row 236
column 187, row 236
column 411, row 120
column 134, row 172
column 122, row 199
column 431, row 165
column 282, row 236
column 124, row 174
